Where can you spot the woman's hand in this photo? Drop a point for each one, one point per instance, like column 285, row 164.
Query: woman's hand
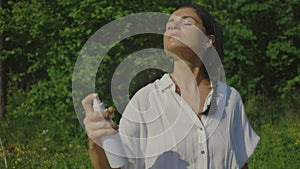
column 97, row 124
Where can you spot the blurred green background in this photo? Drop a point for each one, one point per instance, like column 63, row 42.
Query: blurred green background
column 40, row 41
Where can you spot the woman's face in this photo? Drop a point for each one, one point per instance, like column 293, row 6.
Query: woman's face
column 184, row 31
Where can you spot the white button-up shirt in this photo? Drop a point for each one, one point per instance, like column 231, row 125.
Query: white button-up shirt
column 160, row 130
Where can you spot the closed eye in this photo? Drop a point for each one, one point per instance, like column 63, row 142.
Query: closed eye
column 187, row 23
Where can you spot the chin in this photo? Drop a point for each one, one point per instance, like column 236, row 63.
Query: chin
column 178, row 47
column 174, row 52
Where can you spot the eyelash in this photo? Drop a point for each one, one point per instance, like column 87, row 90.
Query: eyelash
column 186, row 24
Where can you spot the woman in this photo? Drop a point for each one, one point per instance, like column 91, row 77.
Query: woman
column 178, row 121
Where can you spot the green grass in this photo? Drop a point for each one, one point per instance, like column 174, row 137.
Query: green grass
column 279, row 147
column 37, row 143
column 277, row 122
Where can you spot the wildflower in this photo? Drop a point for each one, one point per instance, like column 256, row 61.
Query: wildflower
column 45, row 132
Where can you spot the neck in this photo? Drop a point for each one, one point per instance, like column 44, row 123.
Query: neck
column 188, row 74
column 191, row 83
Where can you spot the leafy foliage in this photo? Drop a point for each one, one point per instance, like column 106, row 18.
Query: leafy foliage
column 43, row 40
column 261, row 45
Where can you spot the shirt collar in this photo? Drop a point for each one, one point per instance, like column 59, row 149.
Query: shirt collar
column 166, row 82
column 211, row 121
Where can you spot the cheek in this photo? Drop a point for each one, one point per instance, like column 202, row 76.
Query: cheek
column 165, row 41
column 195, row 40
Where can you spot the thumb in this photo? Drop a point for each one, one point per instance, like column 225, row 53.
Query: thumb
column 87, row 102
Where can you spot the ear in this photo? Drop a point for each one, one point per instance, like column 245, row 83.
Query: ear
column 211, row 40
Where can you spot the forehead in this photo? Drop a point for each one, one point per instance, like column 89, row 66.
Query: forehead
column 183, row 12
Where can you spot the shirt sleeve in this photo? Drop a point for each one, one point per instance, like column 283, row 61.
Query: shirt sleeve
column 244, row 137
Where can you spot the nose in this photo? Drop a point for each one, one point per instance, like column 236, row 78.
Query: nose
column 174, row 24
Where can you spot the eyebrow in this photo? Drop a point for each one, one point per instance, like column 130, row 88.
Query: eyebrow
column 184, row 17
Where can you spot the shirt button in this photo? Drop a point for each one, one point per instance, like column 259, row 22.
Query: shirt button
column 202, row 152
column 201, row 128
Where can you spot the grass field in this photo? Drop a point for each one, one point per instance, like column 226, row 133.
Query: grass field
column 36, row 143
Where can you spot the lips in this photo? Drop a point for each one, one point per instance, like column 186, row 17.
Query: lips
column 174, row 34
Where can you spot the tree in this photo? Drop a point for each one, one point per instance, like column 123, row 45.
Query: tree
column 3, row 70
column 43, row 39
column 261, row 40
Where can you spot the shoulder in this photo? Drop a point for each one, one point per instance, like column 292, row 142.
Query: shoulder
column 142, row 99
column 157, row 85
column 232, row 94
column 132, row 121
column 231, row 99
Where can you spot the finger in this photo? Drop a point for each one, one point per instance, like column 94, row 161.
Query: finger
column 114, row 125
column 92, row 117
column 95, row 134
column 105, row 114
column 111, row 110
column 98, row 125
column 108, row 115
column 87, row 102
column 99, row 115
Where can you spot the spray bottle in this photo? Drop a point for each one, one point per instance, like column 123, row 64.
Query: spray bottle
column 112, row 144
